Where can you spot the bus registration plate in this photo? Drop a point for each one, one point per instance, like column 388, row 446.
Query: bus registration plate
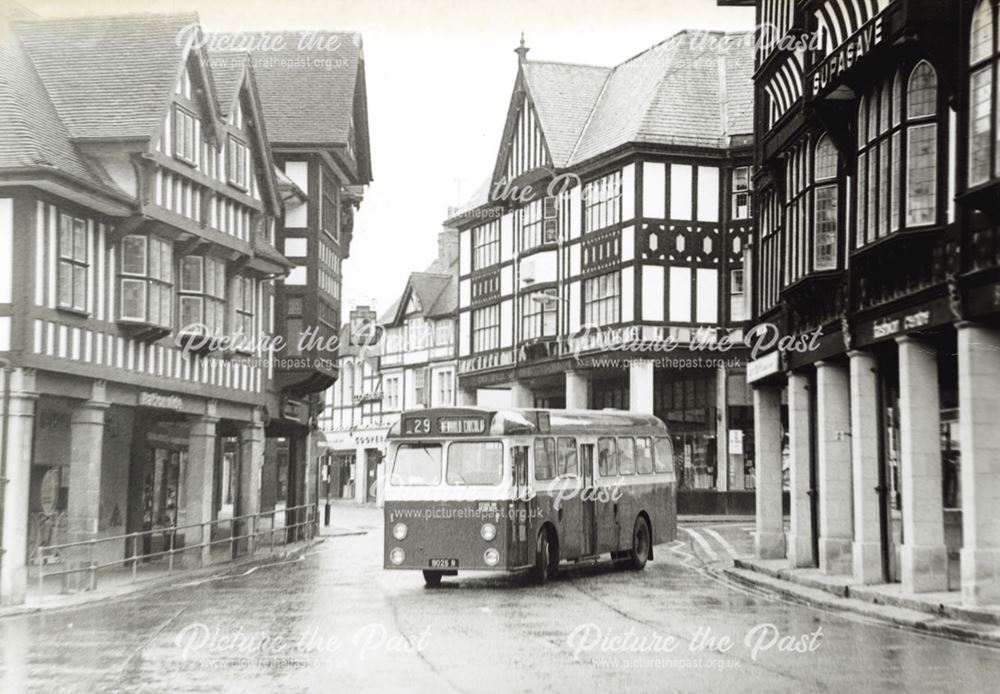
column 443, row 563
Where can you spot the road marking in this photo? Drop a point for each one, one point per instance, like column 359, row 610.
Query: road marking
column 722, row 541
column 703, row 543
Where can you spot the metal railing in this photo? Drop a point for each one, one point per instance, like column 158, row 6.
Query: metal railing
column 81, row 557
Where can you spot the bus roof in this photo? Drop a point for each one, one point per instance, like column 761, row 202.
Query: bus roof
column 527, row 421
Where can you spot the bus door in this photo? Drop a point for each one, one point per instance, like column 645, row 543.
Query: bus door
column 521, row 544
column 588, row 495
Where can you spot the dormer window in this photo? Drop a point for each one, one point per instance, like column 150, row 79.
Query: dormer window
column 146, row 281
column 186, row 133
column 202, row 295
column 238, row 165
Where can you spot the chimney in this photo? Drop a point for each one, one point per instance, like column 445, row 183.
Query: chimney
column 448, row 246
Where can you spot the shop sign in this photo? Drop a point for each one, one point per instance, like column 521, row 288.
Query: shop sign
column 902, row 323
column 362, row 398
column 160, row 401
column 735, row 442
column 847, row 54
column 765, row 366
column 292, row 409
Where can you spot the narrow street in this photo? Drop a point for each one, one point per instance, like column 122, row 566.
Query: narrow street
column 333, row 620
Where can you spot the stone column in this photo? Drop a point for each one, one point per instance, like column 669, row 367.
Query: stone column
column 251, row 461
column 20, row 417
column 800, row 550
column 640, row 386
column 86, row 432
column 521, row 396
column 577, row 391
column 979, row 403
column 923, row 556
column 199, row 482
column 769, row 538
column 866, row 548
column 833, row 428
column 722, row 463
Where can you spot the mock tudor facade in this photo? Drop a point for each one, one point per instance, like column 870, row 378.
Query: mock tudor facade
column 615, row 222
column 875, row 192
column 141, row 213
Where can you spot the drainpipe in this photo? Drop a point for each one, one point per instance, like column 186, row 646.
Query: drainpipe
column 4, row 430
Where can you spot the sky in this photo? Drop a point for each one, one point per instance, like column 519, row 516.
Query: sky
column 439, row 76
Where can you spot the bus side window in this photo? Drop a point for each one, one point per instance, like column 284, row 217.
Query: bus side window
column 663, row 458
column 626, row 456
column 545, row 458
column 607, row 458
column 519, row 461
column 643, row 456
column 567, row 457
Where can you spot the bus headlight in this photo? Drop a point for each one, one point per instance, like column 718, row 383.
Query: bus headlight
column 397, row 556
column 399, row 531
column 491, row 557
column 488, row 532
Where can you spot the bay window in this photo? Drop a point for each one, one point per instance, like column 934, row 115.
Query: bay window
column 538, row 314
column 73, row 263
column 202, row 289
column 898, row 155
column 486, row 328
column 146, row 280
column 602, row 299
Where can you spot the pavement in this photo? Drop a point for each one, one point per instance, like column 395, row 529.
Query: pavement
column 331, row 619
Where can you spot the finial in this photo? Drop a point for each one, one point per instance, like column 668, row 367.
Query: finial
column 522, row 50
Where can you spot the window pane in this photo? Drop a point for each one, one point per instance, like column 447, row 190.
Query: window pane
column 921, row 175
column 567, row 456
column 643, row 456
column 154, row 258
column 479, row 462
column 922, row 91
column 981, row 39
column 80, row 240
column 626, row 456
column 134, row 255
column 166, row 258
column 79, row 287
column 607, row 459
column 417, row 464
column 65, row 284
column 979, row 126
column 190, row 307
column 544, row 464
column 826, row 160
column 191, row 269
column 133, row 299
column 663, row 459
column 826, row 228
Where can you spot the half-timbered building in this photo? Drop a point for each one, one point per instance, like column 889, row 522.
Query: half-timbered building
column 874, row 193
column 612, row 226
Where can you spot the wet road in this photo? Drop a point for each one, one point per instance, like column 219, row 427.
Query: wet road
column 334, row 621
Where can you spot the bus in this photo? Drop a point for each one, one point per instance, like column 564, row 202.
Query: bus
column 514, row 490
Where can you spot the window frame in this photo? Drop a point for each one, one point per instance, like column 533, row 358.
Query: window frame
column 602, row 202
column 604, row 468
column 69, row 261
column 184, row 135
column 605, row 309
column 153, row 284
column 986, row 64
column 548, row 447
column 737, row 192
column 485, row 337
column 533, row 322
column 234, row 148
column 209, row 299
column 486, row 245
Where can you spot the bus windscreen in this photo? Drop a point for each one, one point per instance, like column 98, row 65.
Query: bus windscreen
column 475, row 462
column 417, row 464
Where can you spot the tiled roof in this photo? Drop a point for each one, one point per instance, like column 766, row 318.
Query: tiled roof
column 307, row 83
column 31, row 133
column 227, row 72
column 436, row 289
column 108, row 77
column 694, row 89
column 564, row 96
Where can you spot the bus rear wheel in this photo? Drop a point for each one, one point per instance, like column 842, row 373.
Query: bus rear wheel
column 640, row 545
column 546, row 559
column 432, row 579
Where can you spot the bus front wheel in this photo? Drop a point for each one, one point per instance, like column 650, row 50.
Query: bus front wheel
column 640, row 545
column 432, row 579
column 546, row 559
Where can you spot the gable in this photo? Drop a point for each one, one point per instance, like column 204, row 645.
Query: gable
column 523, row 147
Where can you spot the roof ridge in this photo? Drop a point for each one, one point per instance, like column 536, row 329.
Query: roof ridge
column 77, row 19
column 590, row 116
column 569, row 64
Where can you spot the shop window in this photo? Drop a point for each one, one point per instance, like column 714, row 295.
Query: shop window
column 73, row 263
column 146, row 281
column 202, row 289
